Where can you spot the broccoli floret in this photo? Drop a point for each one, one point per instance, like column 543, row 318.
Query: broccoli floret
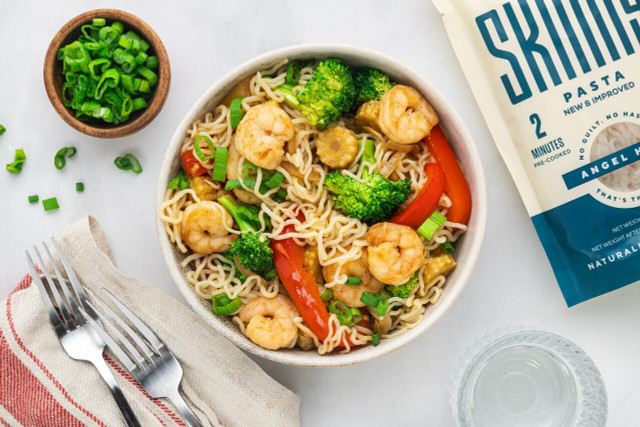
column 373, row 201
column 329, row 93
column 403, row 291
column 371, row 84
column 251, row 249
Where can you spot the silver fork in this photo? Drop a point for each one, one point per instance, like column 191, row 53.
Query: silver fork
column 78, row 338
column 154, row 367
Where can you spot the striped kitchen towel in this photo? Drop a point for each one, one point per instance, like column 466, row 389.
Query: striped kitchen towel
column 41, row 386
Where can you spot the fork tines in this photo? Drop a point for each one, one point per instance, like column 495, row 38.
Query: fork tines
column 147, row 345
column 65, row 314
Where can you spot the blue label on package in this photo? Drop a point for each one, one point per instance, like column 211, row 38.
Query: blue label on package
column 590, row 258
column 602, row 166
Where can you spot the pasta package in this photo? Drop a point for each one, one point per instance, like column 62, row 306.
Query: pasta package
column 556, row 81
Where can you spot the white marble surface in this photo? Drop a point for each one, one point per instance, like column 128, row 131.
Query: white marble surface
column 512, row 283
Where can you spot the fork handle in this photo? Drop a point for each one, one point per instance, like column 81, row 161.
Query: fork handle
column 123, row 405
column 189, row 416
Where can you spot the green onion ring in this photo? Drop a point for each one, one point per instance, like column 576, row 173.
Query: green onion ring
column 198, row 150
column 59, row 160
column 222, row 305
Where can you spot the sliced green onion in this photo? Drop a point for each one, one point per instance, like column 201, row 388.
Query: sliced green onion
column 99, row 22
column 431, row 225
column 50, row 204
column 181, row 181
column 375, row 339
column 353, row 281
column 343, row 312
column 232, row 184
column 18, row 159
column 370, row 299
column 152, row 62
column 289, row 98
column 141, row 58
column 236, row 113
column 118, row 26
column 60, row 159
column 382, row 307
column 128, row 162
column 249, row 170
column 138, row 104
column 122, row 163
column 356, row 316
column 279, row 196
column 448, row 248
column 2, row 129
column 223, row 305
column 198, row 150
column 79, row 186
column 136, row 167
column 326, row 295
column 220, row 164
column 33, row 199
column 151, row 77
column 368, row 156
column 275, row 180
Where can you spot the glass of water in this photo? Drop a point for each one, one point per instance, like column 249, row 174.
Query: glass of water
column 528, row 378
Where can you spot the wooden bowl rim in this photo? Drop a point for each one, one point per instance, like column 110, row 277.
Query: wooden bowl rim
column 158, row 99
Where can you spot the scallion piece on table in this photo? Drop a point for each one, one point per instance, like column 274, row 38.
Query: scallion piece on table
column 223, row 305
column 431, row 225
column 198, row 149
column 18, row 159
column 59, row 160
column 236, row 113
column 220, row 164
column 353, row 281
column 128, row 162
column 448, row 248
column 326, row 295
column 375, row 339
column 136, row 167
column 181, row 181
column 2, row 129
column 79, row 187
column 50, row 204
column 34, row 198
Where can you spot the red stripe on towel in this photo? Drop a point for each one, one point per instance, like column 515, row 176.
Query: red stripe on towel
column 25, row 397
column 23, row 285
column 174, row 417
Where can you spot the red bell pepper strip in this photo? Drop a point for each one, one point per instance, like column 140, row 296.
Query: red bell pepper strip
column 425, row 202
column 288, row 257
column 456, row 185
column 192, row 165
column 300, row 284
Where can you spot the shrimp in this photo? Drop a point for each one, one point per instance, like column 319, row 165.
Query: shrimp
column 262, row 133
column 203, row 228
column 337, row 147
column 270, row 321
column 395, row 252
column 359, row 268
column 405, row 116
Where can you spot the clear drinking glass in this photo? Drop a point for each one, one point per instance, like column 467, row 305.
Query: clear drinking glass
column 528, row 378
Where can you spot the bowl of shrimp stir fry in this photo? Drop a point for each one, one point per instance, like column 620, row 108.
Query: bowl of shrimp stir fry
column 321, row 205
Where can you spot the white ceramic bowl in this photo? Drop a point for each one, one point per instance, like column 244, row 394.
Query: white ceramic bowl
column 467, row 248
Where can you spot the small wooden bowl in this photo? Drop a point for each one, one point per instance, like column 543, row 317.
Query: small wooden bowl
column 54, row 79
